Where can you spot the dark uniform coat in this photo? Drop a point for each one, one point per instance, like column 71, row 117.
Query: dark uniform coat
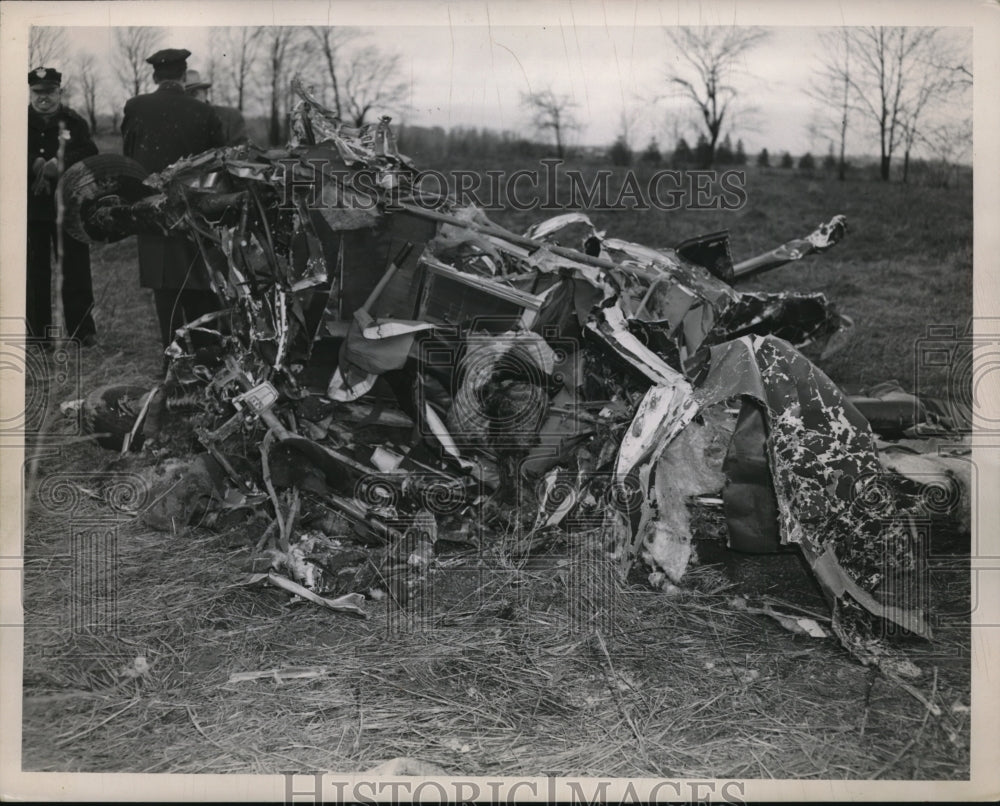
column 234, row 127
column 43, row 141
column 158, row 129
column 77, row 288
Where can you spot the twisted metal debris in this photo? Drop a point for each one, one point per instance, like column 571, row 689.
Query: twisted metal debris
column 419, row 373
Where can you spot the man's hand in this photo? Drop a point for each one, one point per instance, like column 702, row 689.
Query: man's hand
column 44, row 171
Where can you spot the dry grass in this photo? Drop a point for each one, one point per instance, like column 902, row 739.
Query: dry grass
column 502, row 679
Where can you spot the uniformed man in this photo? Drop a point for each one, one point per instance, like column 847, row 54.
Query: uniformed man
column 45, row 114
column 234, row 127
column 158, row 129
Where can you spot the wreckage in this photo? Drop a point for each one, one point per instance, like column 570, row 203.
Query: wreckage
column 426, row 375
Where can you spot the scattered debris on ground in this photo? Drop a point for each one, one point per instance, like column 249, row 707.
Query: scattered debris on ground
column 395, row 376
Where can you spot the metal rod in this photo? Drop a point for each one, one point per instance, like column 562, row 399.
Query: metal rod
column 517, row 240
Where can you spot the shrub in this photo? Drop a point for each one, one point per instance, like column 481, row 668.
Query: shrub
column 830, row 160
column 741, row 155
column 620, row 153
column 682, row 153
column 724, row 152
column 652, row 153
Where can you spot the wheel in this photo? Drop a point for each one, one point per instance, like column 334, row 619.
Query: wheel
column 92, row 183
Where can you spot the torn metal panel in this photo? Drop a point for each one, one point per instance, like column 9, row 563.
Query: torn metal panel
column 348, row 384
column 662, row 414
column 544, row 230
column 748, row 496
column 685, row 469
column 380, row 347
column 711, row 251
column 891, row 411
column 824, row 464
column 821, row 239
column 800, row 319
column 691, row 307
column 452, row 297
column 611, row 327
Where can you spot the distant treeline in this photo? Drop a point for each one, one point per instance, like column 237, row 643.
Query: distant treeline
column 434, row 145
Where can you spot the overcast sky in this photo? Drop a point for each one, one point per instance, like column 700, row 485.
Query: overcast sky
column 474, row 75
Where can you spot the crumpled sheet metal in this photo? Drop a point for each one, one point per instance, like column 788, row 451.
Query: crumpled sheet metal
column 662, row 415
column 825, row 471
column 682, row 471
column 664, row 411
column 369, row 145
column 824, row 467
column 653, row 311
column 613, row 329
column 692, row 306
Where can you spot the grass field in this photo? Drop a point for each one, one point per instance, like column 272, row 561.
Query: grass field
column 504, row 681
column 905, row 264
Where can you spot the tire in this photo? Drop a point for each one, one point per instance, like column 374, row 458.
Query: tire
column 108, row 177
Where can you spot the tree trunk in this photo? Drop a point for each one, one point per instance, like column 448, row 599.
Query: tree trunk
column 884, row 168
column 842, row 167
column 710, row 156
column 906, row 165
column 336, row 98
column 274, row 124
column 332, row 68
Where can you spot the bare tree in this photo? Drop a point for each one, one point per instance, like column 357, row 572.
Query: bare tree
column 211, row 68
column 950, row 144
column 46, row 45
column 628, row 117
column 831, row 87
column 936, row 83
column 552, row 113
column 707, row 61
column 281, row 52
column 240, row 48
column 883, row 57
column 331, row 42
column 133, row 45
column 371, row 82
column 90, row 80
column 899, row 72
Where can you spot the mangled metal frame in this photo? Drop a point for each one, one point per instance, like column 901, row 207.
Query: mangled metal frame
column 682, row 340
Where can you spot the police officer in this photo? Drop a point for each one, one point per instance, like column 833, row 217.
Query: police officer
column 45, row 114
column 234, row 127
column 158, row 129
